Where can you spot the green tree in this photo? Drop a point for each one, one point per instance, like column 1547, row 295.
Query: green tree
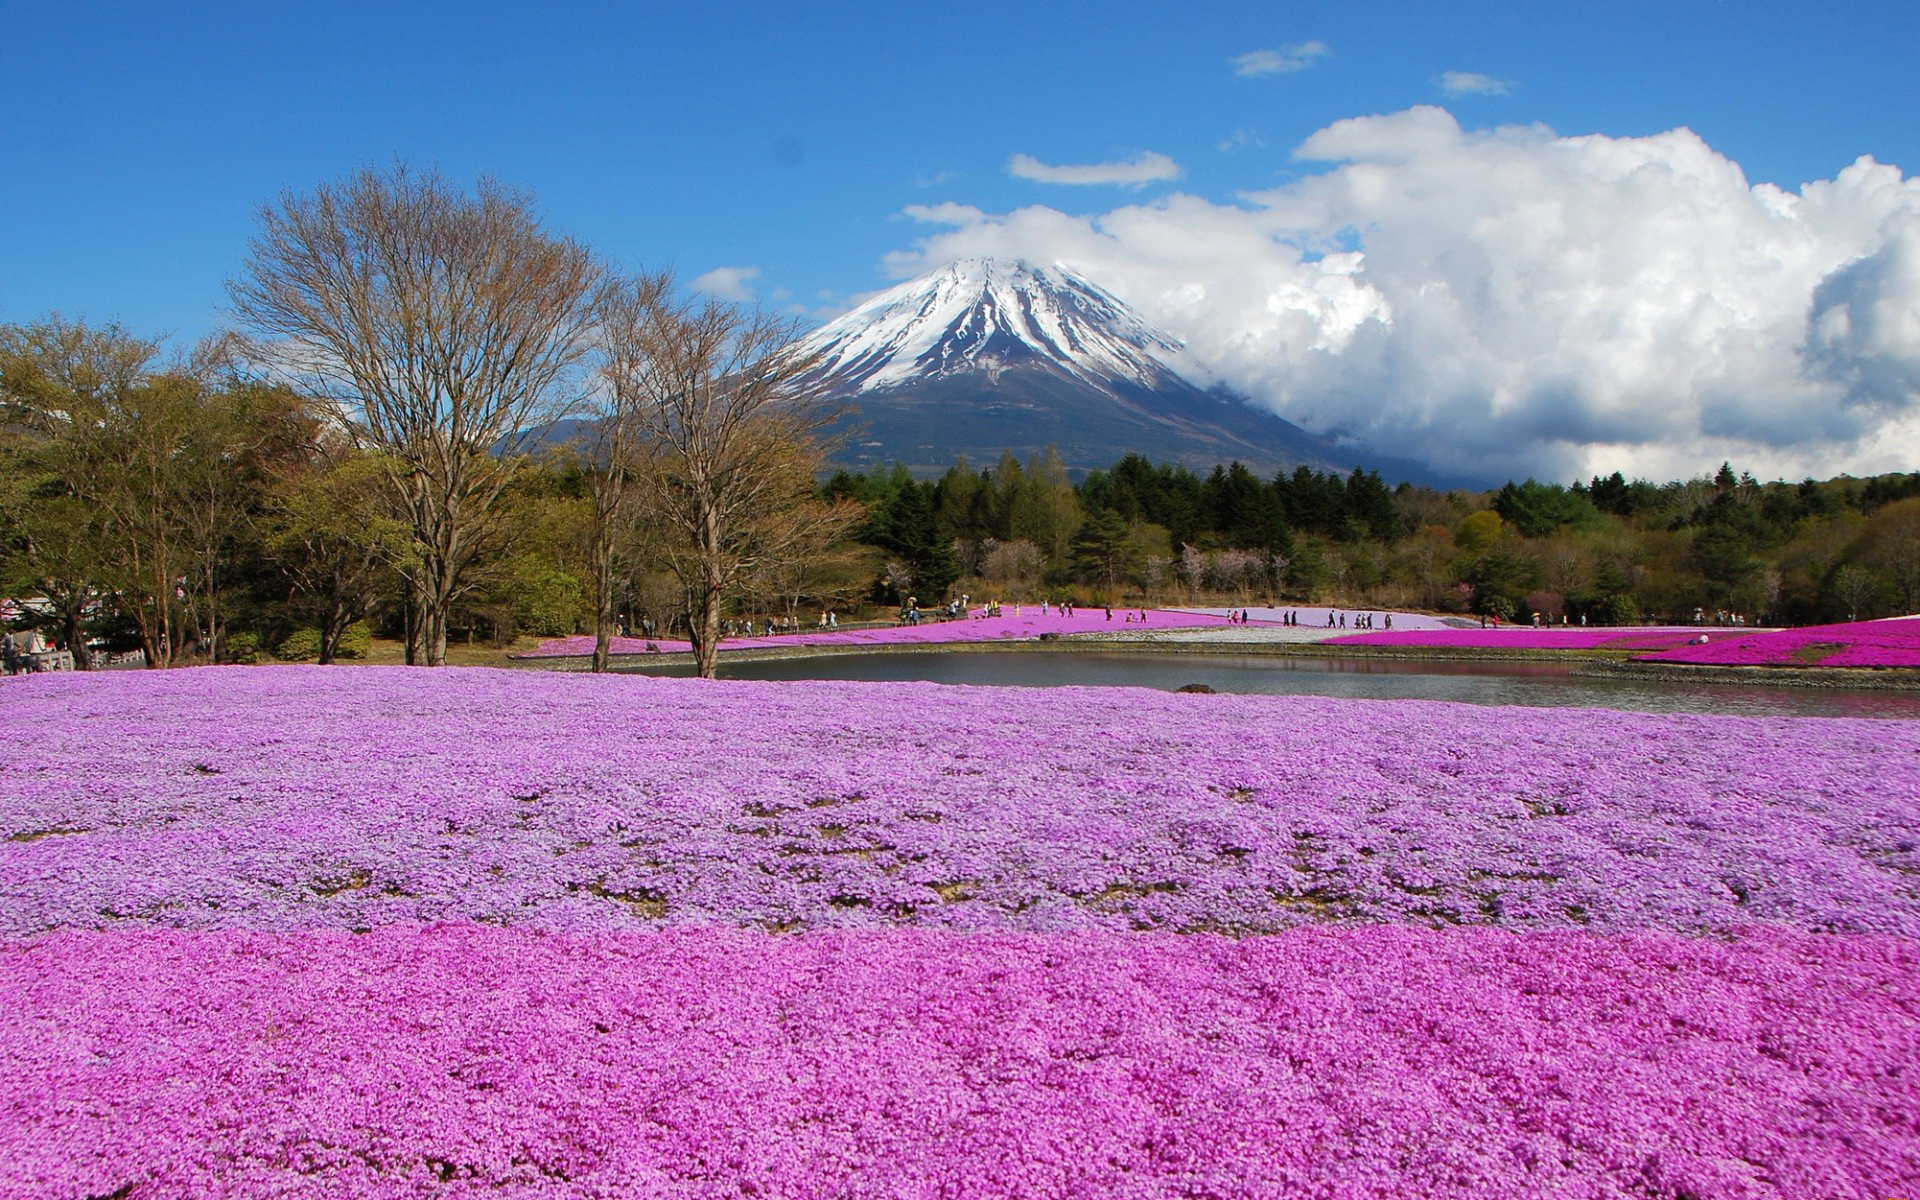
column 1101, row 551
column 1537, row 509
column 908, row 526
column 166, row 468
column 331, row 530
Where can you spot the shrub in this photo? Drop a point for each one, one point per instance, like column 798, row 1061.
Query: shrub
column 243, row 648
column 1619, row 609
column 356, row 641
column 302, row 645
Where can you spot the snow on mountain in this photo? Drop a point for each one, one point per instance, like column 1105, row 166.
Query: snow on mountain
column 984, row 356
column 987, row 315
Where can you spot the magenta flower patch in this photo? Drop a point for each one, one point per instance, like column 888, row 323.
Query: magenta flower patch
column 1892, row 643
column 1028, row 623
column 1526, row 637
column 463, row 1061
column 365, row 933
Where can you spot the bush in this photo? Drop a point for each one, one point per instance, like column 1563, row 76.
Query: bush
column 1619, row 610
column 243, row 648
column 356, row 641
column 302, row 645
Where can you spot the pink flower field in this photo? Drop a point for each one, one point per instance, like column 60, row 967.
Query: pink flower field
column 1892, row 643
column 1027, row 624
column 332, row 932
column 1526, row 637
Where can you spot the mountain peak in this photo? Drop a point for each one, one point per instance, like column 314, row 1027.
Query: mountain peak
column 986, row 355
column 990, row 315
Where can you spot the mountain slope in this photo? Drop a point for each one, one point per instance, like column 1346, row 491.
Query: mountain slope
column 984, row 355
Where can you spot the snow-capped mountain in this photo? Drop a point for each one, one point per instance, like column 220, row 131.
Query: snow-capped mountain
column 986, row 316
column 983, row 356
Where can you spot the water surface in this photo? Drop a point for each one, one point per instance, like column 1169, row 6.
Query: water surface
column 1528, row 684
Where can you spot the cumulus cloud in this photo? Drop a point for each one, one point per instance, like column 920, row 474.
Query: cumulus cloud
column 1137, row 171
column 1285, row 60
column 1472, row 83
column 729, row 283
column 1512, row 302
column 1863, row 328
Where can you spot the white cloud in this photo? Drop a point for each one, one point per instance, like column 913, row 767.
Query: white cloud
column 944, row 214
column 728, row 283
column 1285, row 60
column 1238, row 140
column 1472, row 83
column 1509, row 301
column 1137, row 171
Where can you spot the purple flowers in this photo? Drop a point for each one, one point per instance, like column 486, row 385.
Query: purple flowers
column 368, row 933
column 299, row 798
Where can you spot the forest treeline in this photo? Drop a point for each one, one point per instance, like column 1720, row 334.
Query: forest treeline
column 1609, row 550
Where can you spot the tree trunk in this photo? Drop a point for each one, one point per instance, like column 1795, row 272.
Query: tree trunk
column 436, row 633
column 410, row 610
column 603, row 605
column 703, row 628
column 333, row 626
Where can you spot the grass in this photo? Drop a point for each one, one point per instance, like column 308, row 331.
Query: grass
column 392, row 653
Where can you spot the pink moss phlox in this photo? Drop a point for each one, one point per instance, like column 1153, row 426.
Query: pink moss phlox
column 1028, row 624
column 1890, row 643
column 459, row 1060
column 299, row 798
column 1526, row 637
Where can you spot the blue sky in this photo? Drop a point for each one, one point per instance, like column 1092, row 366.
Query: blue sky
column 790, row 141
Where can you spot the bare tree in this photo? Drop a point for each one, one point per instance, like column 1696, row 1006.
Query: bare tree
column 615, row 433
column 1158, row 568
column 439, row 324
column 1014, row 563
column 727, row 450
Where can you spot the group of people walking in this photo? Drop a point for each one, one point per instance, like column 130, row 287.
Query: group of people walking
column 27, row 652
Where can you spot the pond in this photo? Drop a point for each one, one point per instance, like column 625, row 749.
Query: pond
column 1530, row 684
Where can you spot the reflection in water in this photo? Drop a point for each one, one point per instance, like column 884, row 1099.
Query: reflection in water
column 1550, row 685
